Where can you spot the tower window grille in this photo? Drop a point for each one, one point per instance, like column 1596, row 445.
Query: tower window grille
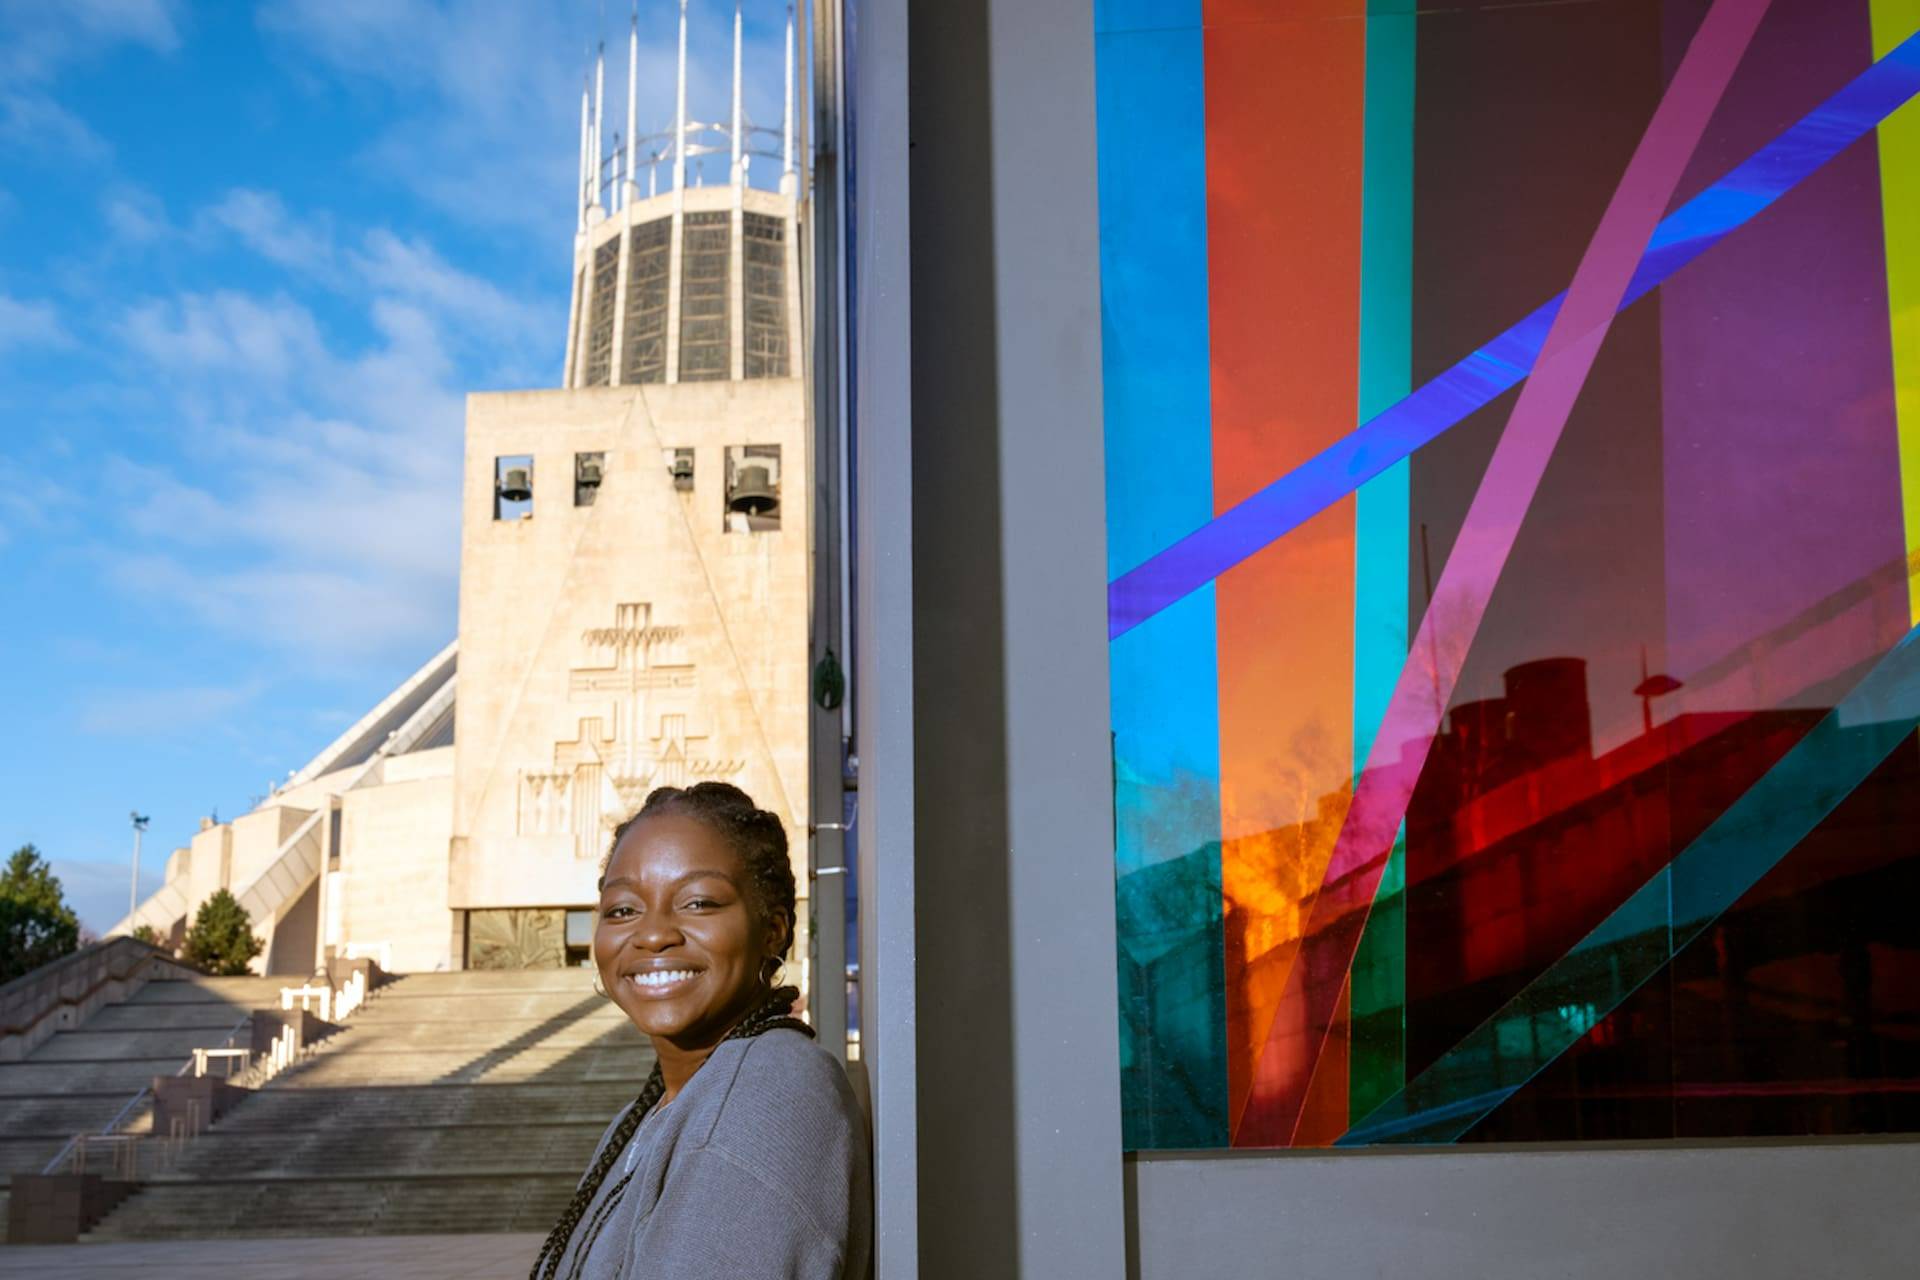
column 606, row 274
column 765, row 251
column 706, row 341
column 644, row 354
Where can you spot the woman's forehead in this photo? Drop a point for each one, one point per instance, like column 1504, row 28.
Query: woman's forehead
column 671, row 845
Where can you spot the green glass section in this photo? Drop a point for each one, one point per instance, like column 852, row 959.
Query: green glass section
column 1171, row 1004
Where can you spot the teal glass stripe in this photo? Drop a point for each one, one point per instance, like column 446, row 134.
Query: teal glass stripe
column 1642, row 936
column 1381, row 530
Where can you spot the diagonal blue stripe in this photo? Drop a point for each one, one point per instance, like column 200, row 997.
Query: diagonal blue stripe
column 1672, row 909
column 1682, row 236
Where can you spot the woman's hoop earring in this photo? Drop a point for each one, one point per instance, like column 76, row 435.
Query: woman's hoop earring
column 597, row 988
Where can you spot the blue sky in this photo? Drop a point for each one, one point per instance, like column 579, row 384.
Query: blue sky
column 252, row 258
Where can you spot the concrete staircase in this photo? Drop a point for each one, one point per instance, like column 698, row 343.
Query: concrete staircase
column 78, row 1080
column 452, row 1103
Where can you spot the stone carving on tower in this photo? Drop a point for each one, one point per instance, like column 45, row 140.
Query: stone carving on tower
column 645, row 737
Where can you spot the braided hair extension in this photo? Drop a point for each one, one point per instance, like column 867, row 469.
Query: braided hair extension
column 761, row 843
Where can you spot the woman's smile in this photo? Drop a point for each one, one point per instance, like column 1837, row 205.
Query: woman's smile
column 661, row 984
column 682, row 945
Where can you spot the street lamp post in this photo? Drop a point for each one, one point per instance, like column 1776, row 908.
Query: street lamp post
column 133, row 892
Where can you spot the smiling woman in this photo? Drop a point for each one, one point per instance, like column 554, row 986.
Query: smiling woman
column 745, row 1155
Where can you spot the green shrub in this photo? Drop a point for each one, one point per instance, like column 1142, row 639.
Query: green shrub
column 221, row 940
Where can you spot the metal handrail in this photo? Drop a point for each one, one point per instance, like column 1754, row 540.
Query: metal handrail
column 53, row 1165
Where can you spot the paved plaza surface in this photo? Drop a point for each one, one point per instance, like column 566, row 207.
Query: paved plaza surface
column 475, row 1257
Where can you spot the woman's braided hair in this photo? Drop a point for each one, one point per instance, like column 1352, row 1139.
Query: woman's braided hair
column 761, row 843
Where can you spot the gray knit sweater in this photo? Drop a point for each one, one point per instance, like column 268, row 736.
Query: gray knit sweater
column 757, row 1170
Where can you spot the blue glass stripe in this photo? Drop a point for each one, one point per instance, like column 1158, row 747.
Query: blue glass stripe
column 1217, row 545
column 1644, row 934
column 1157, row 384
column 1145, row 15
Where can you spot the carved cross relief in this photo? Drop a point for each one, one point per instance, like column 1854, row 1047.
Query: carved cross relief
column 647, row 692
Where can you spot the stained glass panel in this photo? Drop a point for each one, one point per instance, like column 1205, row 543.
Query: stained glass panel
column 1513, row 478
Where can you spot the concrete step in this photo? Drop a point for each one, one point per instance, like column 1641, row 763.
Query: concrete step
column 30, row 1155
column 195, row 1016
column 38, row 1079
column 292, row 1110
column 451, row 1102
column 62, row 1113
column 238, row 993
column 356, row 1206
column 89, row 1045
column 339, row 1151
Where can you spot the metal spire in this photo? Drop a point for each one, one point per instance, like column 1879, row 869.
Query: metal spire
column 786, row 110
column 599, row 115
column 738, row 177
column 580, row 192
column 680, row 109
column 633, row 97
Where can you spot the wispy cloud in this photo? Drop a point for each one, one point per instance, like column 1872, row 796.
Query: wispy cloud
column 262, row 222
column 24, row 324
column 159, row 713
column 40, row 40
column 97, row 891
column 490, row 129
column 323, row 509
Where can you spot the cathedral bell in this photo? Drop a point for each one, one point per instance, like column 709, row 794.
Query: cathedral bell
column 753, row 493
column 516, row 484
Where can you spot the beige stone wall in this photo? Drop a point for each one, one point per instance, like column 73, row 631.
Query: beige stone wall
column 609, row 648
column 257, row 838
column 208, row 858
column 393, row 869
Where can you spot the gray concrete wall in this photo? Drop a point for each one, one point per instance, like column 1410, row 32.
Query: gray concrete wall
column 1755, row 1211
column 878, row 342
column 1018, row 1068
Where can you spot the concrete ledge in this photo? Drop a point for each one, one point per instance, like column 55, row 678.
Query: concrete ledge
column 1760, row 1211
column 57, row 1208
column 267, row 1024
column 487, row 1257
column 196, row 1101
column 62, row 995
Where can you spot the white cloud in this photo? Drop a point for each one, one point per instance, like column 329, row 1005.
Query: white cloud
column 159, row 713
column 266, row 226
column 25, row 324
column 38, row 40
column 136, row 216
column 314, row 505
column 410, row 269
column 97, row 891
column 225, row 332
column 490, row 123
